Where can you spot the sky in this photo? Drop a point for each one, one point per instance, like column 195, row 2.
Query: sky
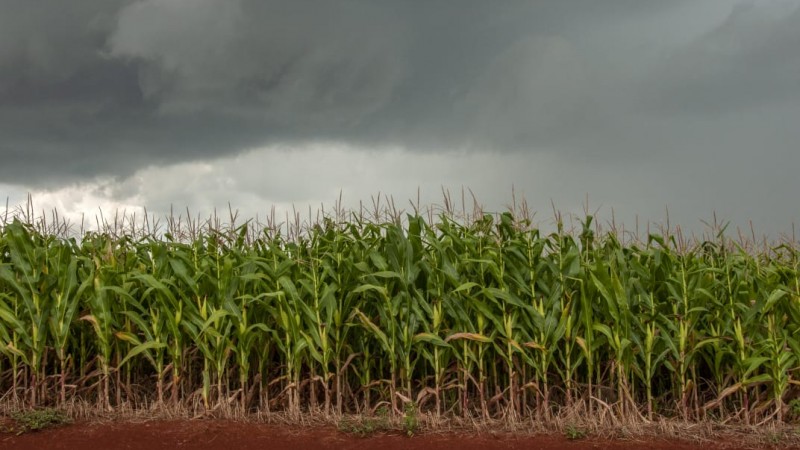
column 631, row 109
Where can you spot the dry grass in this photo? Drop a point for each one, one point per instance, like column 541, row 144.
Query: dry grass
column 571, row 424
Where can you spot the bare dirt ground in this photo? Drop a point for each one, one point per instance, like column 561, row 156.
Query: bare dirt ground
column 230, row 435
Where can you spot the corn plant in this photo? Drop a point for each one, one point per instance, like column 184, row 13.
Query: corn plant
column 485, row 316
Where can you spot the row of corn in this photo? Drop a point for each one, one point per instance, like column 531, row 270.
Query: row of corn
column 491, row 318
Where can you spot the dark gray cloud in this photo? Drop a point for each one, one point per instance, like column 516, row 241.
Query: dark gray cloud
column 106, row 87
column 751, row 59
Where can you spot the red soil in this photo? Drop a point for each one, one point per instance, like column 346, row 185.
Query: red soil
column 220, row 434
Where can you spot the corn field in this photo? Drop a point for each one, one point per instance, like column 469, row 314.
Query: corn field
column 484, row 318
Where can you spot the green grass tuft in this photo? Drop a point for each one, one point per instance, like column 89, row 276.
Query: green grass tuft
column 26, row 421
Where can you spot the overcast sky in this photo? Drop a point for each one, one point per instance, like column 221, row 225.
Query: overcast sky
column 643, row 105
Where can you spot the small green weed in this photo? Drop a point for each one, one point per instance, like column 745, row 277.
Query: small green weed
column 37, row 419
column 381, row 421
column 794, row 409
column 574, row 432
column 382, row 412
column 364, row 426
column 773, row 437
column 359, row 427
column 410, row 419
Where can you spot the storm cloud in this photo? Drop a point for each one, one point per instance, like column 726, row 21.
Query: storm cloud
column 699, row 98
